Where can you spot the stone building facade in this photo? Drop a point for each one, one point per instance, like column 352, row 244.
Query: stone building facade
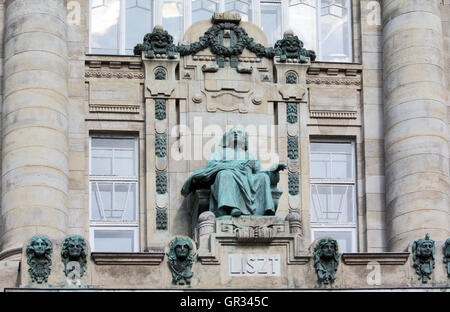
column 98, row 146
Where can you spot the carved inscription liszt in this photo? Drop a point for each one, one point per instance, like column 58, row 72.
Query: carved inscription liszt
column 254, row 265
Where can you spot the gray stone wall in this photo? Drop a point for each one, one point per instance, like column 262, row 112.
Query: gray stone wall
column 415, row 122
column 34, row 121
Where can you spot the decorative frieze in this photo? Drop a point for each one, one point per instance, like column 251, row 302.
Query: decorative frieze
column 160, row 145
column 161, row 182
column 161, row 218
column 160, row 74
column 113, row 74
column 333, row 81
column 333, row 115
column 292, row 112
column 160, row 109
column 291, row 78
column 106, row 108
column 293, row 184
column 293, row 147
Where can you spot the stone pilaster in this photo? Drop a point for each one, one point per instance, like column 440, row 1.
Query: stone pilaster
column 415, row 121
column 34, row 121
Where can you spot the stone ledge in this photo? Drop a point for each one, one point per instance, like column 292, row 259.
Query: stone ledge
column 138, row 258
column 383, row 258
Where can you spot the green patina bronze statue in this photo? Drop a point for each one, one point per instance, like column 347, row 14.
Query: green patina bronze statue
column 181, row 258
column 326, row 260
column 447, row 255
column 423, row 257
column 73, row 256
column 39, row 258
column 238, row 186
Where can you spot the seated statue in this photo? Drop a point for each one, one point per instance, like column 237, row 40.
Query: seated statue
column 237, row 184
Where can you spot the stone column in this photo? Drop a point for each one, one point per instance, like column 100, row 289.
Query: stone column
column 34, row 125
column 415, row 118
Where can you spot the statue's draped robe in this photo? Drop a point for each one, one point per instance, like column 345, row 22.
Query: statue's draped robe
column 233, row 183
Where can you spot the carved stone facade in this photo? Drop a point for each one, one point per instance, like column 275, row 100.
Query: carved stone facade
column 175, row 100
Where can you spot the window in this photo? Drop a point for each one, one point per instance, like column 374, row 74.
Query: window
column 323, row 25
column 333, row 193
column 116, row 26
column 113, row 186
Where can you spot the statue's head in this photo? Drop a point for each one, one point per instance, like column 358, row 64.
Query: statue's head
column 181, row 248
column 424, row 248
column 39, row 246
column 159, row 38
column 447, row 248
column 235, row 138
column 290, row 43
column 327, row 249
column 74, row 248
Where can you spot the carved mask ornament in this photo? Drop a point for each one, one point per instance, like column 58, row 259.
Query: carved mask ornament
column 181, row 258
column 326, row 260
column 39, row 253
column 423, row 257
column 447, row 255
column 73, row 255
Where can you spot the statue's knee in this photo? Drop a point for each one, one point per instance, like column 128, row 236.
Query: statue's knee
column 224, row 174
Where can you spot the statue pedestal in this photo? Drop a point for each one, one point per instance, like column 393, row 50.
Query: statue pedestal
column 216, row 238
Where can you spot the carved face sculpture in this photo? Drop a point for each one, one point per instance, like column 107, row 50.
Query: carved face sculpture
column 75, row 248
column 328, row 250
column 182, row 250
column 39, row 246
column 160, row 39
column 426, row 249
column 236, row 138
column 447, row 248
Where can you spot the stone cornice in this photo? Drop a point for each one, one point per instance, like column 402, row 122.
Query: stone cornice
column 114, row 66
column 383, row 258
column 138, row 258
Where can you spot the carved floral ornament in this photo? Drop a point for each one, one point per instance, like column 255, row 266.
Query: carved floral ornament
column 159, row 44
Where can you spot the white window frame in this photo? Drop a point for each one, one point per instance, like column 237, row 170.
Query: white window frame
column 338, row 227
column 121, row 27
column 115, row 225
column 256, row 19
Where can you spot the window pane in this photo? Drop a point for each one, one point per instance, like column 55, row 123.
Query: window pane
column 104, row 27
column 344, row 238
column 101, row 201
column 242, row 7
column 335, row 37
column 342, row 166
column 303, row 21
column 332, row 204
column 203, row 9
column 271, row 22
column 124, row 163
column 125, row 201
column 101, row 163
column 138, row 22
column 320, row 165
column 114, row 241
column 172, row 18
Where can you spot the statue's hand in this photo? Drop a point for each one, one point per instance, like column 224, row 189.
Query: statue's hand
column 281, row 167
